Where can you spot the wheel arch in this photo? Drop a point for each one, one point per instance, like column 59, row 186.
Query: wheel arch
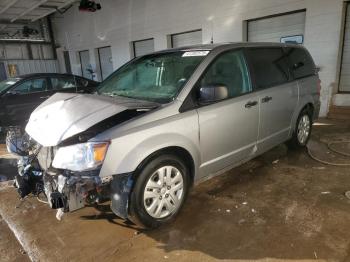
column 177, row 151
column 306, row 105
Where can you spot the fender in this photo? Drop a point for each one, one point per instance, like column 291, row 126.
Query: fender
column 129, row 161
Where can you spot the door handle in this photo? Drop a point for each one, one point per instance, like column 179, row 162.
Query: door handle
column 266, row 99
column 251, row 104
column 44, row 97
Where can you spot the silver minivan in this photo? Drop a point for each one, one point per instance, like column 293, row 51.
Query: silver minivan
column 164, row 122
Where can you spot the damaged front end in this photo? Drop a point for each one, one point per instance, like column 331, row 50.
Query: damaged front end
column 65, row 166
column 65, row 190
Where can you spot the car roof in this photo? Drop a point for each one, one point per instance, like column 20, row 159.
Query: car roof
column 228, row 44
column 46, row 75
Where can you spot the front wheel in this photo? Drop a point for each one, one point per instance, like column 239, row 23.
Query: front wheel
column 302, row 131
column 160, row 191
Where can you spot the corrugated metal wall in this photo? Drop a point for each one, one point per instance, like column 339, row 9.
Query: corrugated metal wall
column 31, row 66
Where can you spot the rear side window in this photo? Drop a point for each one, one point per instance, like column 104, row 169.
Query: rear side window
column 59, row 83
column 300, row 62
column 269, row 66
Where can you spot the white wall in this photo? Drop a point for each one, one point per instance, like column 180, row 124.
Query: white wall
column 120, row 22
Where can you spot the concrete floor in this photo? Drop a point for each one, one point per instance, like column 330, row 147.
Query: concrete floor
column 282, row 206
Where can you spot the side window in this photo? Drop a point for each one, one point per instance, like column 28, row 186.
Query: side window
column 269, row 66
column 32, row 86
column 300, row 62
column 62, row 83
column 228, row 69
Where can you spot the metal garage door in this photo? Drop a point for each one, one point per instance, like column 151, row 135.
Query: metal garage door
column 272, row 29
column 143, row 47
column 344, row 85
column 106, row 62
column 186, row 39
column 85, row 63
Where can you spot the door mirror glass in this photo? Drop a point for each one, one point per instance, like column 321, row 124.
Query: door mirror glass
column 212, row 93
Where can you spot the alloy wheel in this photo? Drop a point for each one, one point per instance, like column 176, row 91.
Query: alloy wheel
column 164, row 192
column 304, row 127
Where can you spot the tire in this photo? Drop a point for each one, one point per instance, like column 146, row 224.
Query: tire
column 302, row 131
column 155, row 200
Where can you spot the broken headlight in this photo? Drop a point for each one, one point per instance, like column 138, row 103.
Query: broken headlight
column 81, row 157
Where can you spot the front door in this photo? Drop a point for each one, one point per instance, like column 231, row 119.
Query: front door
column 24, row 98
column 228, row 129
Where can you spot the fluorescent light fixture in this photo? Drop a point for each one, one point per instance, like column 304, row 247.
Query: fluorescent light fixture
column 22, row 39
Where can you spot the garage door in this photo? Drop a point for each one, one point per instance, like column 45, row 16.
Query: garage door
column 186, row 39
column 344, row 85
column 143, row 47
column 106, row 62
column 272, row 29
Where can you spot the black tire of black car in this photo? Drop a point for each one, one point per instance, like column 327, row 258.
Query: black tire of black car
column 137, row 211
column 294, row 143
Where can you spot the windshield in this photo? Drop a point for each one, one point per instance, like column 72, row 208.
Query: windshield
column 157, row 78
column 8, row 82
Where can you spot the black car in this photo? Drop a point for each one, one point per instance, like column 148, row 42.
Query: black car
column 21, row 95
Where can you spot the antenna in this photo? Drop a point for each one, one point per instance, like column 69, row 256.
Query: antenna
column 212, row 31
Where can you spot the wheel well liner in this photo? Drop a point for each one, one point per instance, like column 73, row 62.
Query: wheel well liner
column 310, row 107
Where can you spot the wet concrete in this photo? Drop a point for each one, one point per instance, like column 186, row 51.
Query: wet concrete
column 282, row 206
column 10, row 249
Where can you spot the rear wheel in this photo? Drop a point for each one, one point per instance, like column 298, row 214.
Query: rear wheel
column 160, row 191
column 302, row 131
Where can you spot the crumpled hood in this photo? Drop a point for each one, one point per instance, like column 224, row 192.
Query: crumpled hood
column 64, row 115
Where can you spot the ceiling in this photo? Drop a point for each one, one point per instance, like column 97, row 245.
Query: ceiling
column 15, row 14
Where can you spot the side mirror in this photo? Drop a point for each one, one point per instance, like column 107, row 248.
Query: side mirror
column 11, row 93
column 212, row 93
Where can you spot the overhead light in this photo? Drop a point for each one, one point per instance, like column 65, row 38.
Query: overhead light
column 22, row 39
column 89, row 6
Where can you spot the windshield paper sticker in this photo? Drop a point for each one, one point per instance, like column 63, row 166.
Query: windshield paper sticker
column 195, row 53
